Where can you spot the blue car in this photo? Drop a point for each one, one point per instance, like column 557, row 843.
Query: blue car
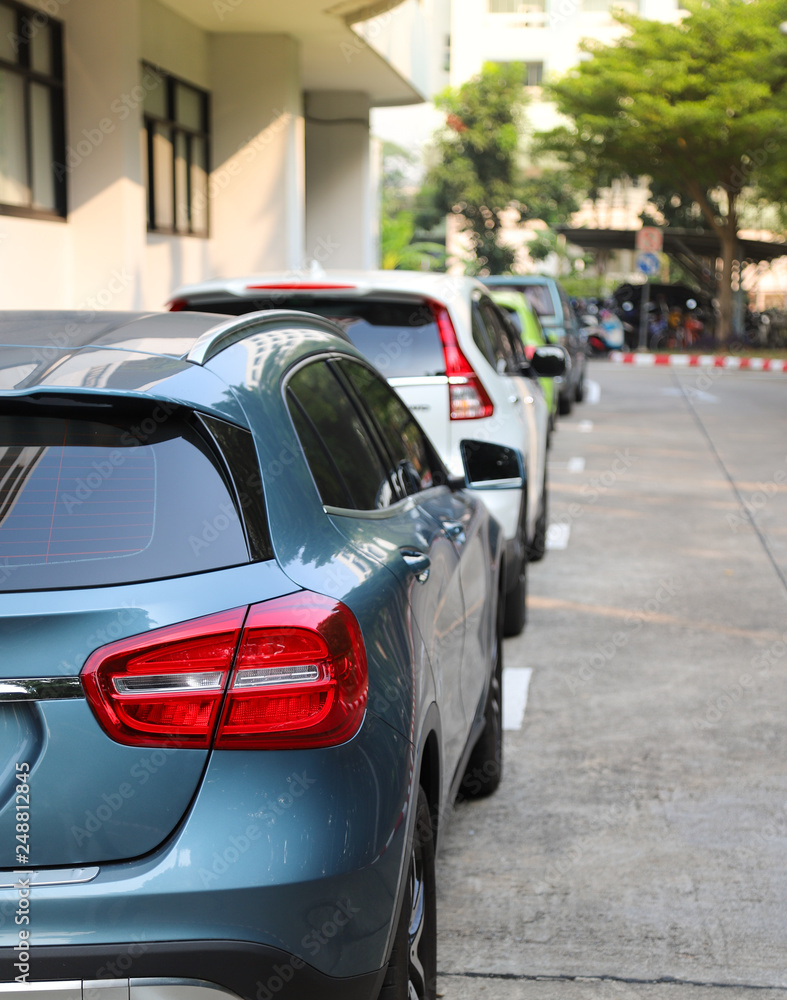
column 250, row 633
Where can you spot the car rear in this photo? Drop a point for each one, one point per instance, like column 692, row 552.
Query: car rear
column 152, row 648
column 551, row 305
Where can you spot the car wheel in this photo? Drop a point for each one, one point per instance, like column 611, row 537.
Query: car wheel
column 564, row 403
column 539, row 546
column 579, row 393
column 485, row 767
column 412, row 968
column 515, row 613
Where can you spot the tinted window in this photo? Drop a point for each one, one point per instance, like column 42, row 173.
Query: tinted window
column 539, row 298
column 481, row 336
column 400, row 338
column 237, row 447
column 408, row 448
column 502, row 343
column 85, row 502
column 344, row 462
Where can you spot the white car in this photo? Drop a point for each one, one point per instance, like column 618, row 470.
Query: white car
column 452, row 357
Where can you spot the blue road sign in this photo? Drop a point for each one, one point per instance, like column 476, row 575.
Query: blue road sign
column 648, row 263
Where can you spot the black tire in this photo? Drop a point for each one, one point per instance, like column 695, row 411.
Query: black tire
column 539, row 545
column 579, row 392
column 485, row 767
column 564, row 403
column 412, row 968
column 515, row 604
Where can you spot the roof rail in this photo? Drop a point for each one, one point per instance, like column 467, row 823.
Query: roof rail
column 229, row 332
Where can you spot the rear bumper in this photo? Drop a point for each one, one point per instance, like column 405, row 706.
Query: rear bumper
column 179, row 970
column 283, row 853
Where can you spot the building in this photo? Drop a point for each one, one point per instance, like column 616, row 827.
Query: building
column 148, row 143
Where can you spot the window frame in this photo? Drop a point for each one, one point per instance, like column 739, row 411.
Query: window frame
column 55, row 84
column 374, row 434
column 171, row 82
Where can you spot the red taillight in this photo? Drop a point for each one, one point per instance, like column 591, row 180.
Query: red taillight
column 291, row 286
column 468, row 399
column 176, row 305
column 298, row 679
column 164, row 687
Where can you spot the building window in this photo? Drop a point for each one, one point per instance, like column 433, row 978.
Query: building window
column 516, row 6
column 32, row 132
column 532, row 72
column 630, row 6
column 177, row 150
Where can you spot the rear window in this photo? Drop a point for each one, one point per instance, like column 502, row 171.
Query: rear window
column 400, row 338
column 90, row 501
column 539, row 298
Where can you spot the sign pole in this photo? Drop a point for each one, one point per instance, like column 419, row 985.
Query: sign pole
column 644, row 302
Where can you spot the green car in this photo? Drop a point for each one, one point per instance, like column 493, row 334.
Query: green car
column 528, row 326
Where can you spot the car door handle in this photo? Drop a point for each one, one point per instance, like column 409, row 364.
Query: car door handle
column 418, row 563
column 455, row 530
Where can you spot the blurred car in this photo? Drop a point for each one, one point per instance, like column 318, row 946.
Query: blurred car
column 251, row 647
column 527, row 325
column 553, row 308
column 452, row 357
column 663, row 299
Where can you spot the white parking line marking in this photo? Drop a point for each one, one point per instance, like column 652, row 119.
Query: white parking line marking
column 576, row 465
column 516, row 681
column 558, row 535
column 585, row 426
column 592, row 392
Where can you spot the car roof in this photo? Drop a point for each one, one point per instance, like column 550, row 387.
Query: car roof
column 434, row 284
column 166, row 334
column 504, row 280
column 137, row 352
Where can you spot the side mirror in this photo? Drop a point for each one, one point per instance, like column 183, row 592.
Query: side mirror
column 491, row 466
column 549, row 362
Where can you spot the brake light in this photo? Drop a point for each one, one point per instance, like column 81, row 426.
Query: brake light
column 164, row 687
column 468, row 399
column 176, row 305
column 300, row 679
column 300, row 286
column 286, row 673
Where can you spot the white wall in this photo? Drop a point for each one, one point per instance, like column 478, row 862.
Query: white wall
column 341, row 210
column 257, row 182
column 95, row 259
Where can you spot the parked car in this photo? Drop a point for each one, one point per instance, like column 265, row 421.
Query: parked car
column 251, row 648
column 448, row 351
column 552, row 306
column 528, row 326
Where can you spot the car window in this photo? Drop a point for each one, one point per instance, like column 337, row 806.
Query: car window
column 539, row 298
column 344, row 462
column 506, row 357
column 410, row 452
column 481, row 336
column 568, row 312
column 90, row 501
column 398, row 335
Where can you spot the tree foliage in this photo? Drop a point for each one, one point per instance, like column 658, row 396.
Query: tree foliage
column 398, row 246
column 476, row 172
column 479, row 171
column 699, row 105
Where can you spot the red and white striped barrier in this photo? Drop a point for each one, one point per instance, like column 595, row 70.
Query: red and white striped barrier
column 730, row 361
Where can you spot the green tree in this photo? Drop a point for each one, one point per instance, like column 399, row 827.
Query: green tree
column 476, row 173
column 398, row 248
column 700, row 105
